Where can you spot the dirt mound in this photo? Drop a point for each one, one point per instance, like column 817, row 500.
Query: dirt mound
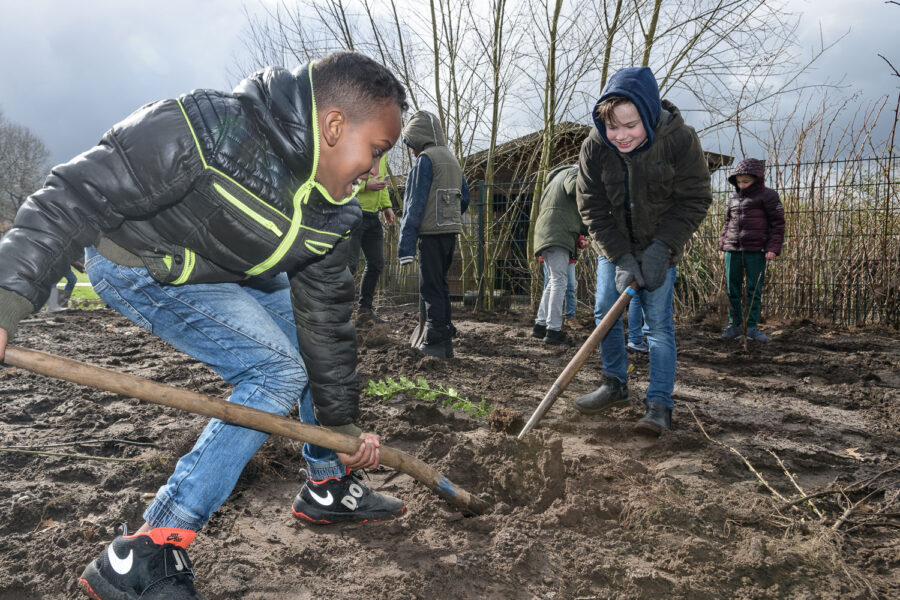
column 582, row 508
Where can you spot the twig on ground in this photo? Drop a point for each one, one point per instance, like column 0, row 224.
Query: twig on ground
column 75, row 456
column 849, row 510
column 796, row 485
column 853, row 487
column 746, row 462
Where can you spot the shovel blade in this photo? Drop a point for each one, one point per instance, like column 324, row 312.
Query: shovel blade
column 418, row 334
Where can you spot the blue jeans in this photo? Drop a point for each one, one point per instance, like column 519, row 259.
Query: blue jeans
column 658, row 313
column 71, row 280
column 245, row 332
column 571, row 289
column 637, row 329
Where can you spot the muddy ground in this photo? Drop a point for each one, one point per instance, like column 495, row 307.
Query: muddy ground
column 582, row 508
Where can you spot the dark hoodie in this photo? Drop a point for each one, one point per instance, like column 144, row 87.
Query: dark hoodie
column 754, row 216
column 638, row 84
column 659, row 191
column 436, row 191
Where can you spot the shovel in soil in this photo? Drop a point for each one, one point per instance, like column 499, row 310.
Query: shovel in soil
column 580, row 357
column 418, row 334
column 158, row 393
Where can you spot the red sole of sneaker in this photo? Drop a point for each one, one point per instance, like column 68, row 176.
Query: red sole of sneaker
column 309, row 519
column 88, row 590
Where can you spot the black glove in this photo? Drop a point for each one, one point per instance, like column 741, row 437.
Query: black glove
column 655, row 265
column 627, row 270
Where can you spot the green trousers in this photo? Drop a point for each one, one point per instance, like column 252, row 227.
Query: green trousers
column 739, row 265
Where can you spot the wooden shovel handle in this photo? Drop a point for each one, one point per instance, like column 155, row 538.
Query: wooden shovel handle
column 580, row 357
column 167, row 395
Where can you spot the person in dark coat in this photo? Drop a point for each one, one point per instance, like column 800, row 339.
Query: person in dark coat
column 643, row 189
column 436, row 197
column 752, row 236
column 218, row 221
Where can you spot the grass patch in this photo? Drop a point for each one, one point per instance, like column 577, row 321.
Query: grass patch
column 448, row 397
column 82, row 294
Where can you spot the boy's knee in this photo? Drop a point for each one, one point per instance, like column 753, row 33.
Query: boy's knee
column 283, row 379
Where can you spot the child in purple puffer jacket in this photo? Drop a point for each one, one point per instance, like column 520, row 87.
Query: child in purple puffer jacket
column 752, row 235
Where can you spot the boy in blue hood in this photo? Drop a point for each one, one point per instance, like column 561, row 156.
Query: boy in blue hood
column 643, row 190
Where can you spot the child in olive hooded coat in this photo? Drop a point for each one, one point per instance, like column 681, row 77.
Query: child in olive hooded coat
column 558, row 234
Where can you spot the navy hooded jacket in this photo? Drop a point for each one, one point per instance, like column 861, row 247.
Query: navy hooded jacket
column 638, row 84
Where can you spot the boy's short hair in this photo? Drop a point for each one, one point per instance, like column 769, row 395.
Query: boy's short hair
column 356, row 83
column 605, row 108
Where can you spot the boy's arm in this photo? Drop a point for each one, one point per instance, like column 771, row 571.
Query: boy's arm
column 775, row 215
column 725, row 224
column 322, row 298
column 691, row 192
column 594, row 205
column 418, row 186
column 140, row 166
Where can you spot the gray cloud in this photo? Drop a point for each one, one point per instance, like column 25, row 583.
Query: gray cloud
column 72, row 69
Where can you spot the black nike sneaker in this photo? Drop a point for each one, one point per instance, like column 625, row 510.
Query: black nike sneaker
column 144, row 566
column 336, row 500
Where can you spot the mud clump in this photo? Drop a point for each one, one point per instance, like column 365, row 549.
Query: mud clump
column 505, row 420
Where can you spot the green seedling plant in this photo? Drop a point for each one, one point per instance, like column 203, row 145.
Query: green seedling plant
column 448, row 397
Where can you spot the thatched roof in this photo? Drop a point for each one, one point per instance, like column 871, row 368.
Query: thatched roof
column 517, row 159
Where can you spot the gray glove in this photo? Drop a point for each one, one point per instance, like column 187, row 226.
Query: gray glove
column 655, row 264
column 627, row 270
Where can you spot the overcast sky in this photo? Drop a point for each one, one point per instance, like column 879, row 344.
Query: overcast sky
column 70, row 69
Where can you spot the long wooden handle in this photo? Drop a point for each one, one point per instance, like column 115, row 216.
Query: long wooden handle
column 580, row 357
column 167, row 395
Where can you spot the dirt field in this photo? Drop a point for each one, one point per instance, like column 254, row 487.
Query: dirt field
column 582, row 508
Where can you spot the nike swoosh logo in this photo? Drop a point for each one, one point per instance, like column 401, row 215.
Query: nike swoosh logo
column 120, row 565
column 326, row 500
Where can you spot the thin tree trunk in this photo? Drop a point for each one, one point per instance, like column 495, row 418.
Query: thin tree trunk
column 546, row 149
column 651, row 33
column 607, row 49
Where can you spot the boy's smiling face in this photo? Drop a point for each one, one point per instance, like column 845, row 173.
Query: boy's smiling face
column 350, row 146
column 626, row 130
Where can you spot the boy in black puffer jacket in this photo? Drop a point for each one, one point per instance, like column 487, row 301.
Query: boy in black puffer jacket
column 217, row 221
column 752, row 235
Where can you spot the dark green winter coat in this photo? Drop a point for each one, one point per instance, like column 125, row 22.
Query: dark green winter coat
column 665, row 188
column 558, row 223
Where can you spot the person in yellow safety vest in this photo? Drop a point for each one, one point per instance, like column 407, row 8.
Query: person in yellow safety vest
column 369, row 238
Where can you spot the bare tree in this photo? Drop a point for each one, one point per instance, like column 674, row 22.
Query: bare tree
column 495, row 70
column 889, row 63
column 564, row 48
column 23, row 165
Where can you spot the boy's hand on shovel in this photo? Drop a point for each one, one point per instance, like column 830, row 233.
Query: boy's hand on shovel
column 4, row 339
column 367, row 456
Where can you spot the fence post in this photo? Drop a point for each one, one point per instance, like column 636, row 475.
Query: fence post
column 479, row 263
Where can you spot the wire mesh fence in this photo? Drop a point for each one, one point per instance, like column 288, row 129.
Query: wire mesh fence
column 840, row 261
